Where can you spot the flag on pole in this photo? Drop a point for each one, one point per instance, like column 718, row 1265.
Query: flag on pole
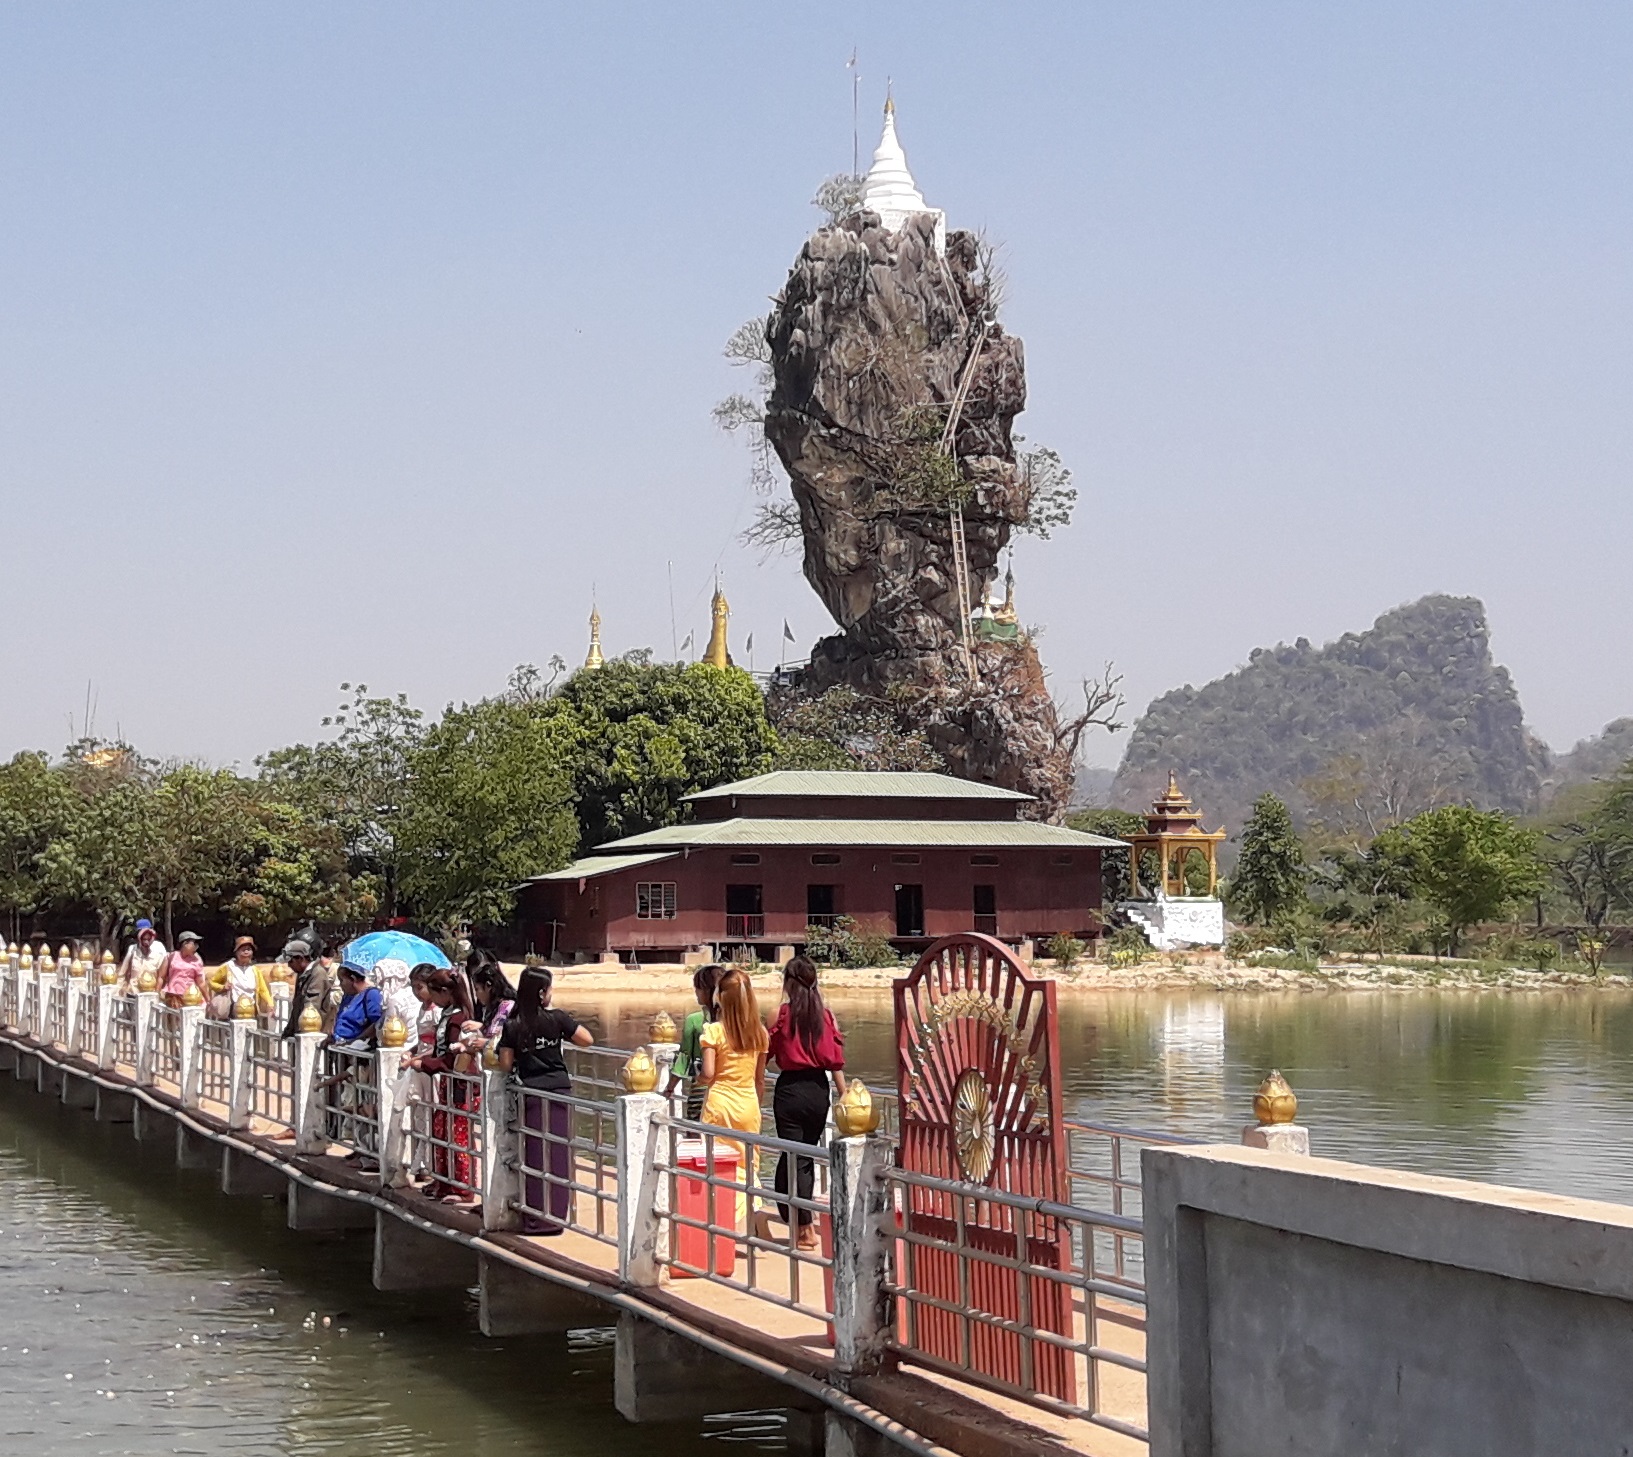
column 750, row 643
column 787, row 631
column 686, row 646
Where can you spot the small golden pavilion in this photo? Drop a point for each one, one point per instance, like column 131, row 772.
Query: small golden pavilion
column 1173, row 833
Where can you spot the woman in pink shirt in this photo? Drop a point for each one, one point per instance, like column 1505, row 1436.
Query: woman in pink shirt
column 185, row 968
column 809, row 1050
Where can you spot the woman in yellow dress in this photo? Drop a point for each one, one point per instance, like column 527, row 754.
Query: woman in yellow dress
column 734, row 1050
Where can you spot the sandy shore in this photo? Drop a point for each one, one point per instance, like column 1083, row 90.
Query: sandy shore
column 1202, row 973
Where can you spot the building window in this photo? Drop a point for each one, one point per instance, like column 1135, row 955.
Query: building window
column 824, row 859
column 821, row 905
column 745, row 912
column 745, row 859
column 654, row 900
column 904, row 859
column 1062, row 860
column 985, row 909
column 983, row 860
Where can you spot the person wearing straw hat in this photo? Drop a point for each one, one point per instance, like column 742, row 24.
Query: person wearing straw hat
column 240, row 977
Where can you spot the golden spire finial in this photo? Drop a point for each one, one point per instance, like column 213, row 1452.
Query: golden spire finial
column 717, row 654
column 594, row 659
column 1006, row 613
column 1173, row 786
column 890, row 106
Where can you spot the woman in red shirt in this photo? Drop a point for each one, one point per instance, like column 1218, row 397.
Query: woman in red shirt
column 808, row 1048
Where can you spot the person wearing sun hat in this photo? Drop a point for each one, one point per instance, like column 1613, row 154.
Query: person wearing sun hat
column 240, row 977
column 146, row 953
column 184, row 969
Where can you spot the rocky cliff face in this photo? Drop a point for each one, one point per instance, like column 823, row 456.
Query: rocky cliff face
column 870, row 340
column 1363, row 732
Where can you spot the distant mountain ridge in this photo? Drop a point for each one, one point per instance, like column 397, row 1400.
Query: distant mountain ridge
column 1375, row 725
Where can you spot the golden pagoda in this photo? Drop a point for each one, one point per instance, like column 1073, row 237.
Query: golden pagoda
column 716, row 655
column 593, row 658
column 1173, row 830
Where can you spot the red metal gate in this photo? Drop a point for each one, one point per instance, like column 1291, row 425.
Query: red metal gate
column 977, row 1057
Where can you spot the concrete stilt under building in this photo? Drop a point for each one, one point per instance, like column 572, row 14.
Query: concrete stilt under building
column 660, row 1376
column 407, row 1258
column 519, row 1303
column 113, row 1106
column 245, row 1176
column 77, row 1091
column 312, row 1209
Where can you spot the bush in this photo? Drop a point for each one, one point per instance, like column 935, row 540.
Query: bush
column 847, row 944
column 1127, row 946
column 1064, row 950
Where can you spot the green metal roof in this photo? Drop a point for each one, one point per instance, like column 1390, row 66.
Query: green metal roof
column 858, row 783
column 602, row 865
column 898, row 834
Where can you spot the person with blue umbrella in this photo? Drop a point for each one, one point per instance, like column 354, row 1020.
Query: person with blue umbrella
column 400, row 946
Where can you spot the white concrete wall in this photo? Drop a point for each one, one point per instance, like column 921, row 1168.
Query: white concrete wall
column 1309, row 1308
column 1171, row 924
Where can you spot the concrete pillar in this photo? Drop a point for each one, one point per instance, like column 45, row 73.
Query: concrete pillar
column 76, row 1037
column 843, row 1436
column 151, row 1125
column 515, row 1302
column 195, row 1150
column 1277, row 1137
column 8, row 1058
column 238, row 1102
column 660, row 1375
column 407, row 1258
column 246, row 1177
column 643, row 1231
column 310, row 1136
column 192, row 1034
column 28, row 1066
column 313, row 1209
column 113, row 1106
column 863, row 1235
column 392, row 1138
column 78, row 1091
column 48, row 1077
column 104, row 1027
column 500, row 1156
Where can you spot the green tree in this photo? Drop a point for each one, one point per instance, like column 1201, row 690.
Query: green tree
column 1116, row 824
column 492, row 805
column 1269, row 882
column 841, row 729
column 1587, row 847
column 37, row 806
column 650, row 734
column 1470, row 864
column 1370, row 887
column 357, row 781
column 104, row 860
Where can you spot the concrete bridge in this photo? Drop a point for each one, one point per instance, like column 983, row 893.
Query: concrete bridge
column 1295, row 1305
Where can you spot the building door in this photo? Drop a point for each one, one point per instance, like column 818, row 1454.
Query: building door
column 745, row 912
column 986, row 909
column 821, row 904
column 909, row 910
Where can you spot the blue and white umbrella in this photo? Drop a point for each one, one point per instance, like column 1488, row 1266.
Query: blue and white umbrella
column 391, row 945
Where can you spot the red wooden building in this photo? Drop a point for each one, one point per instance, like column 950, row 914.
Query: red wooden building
column 914, row 856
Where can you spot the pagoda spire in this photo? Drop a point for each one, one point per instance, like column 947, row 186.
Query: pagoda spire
column 889, row 189
column 717, row 655
column 593, row 658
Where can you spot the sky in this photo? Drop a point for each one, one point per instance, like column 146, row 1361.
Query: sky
column 365, row 343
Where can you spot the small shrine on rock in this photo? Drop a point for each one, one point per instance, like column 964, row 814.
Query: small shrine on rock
column 1167, row 911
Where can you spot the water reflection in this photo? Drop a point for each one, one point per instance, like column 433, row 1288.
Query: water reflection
column 1533, row 1089
column 141, row 1312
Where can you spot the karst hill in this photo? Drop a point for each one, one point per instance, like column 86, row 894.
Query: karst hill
column 1368, row 729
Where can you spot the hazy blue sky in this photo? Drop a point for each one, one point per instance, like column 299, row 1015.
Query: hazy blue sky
column 359, row 341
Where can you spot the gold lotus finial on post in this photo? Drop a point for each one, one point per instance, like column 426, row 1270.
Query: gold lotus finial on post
column 192, row 997
column 311, row 1020
column 393, row 1031
column 662, row 1029
column 640, row 1073
column 856, row 1114
column 76, row 968
column 107, row 958
column 63, row 953
column 109, row 973
column 243, row 1010
column 26, row 960
column 46, row 963
column 148, row 981
column 1275, row 1102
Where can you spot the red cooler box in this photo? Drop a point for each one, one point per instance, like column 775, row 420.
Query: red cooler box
column 693, row 1198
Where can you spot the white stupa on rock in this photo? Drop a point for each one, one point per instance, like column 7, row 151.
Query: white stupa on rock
column 889, row 189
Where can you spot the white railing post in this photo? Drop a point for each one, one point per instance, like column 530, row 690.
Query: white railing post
column 146, row 1005
column 190, row 1058
column 389, row 1141
column 860, row 1205
column 240, row 1075
column 28, row 1000
column 73, row 1032
column 500, row 1154
column 281, row 993
column 310, row 1134
column 106, row 1052
column 643, row 1189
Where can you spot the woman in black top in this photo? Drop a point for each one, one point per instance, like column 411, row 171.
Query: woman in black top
column 530, row 1050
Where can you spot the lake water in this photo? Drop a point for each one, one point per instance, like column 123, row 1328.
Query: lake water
column 204, row 1317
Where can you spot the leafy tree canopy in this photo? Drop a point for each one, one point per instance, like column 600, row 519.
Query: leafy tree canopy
column 1469, row 864
column 1269, row 882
